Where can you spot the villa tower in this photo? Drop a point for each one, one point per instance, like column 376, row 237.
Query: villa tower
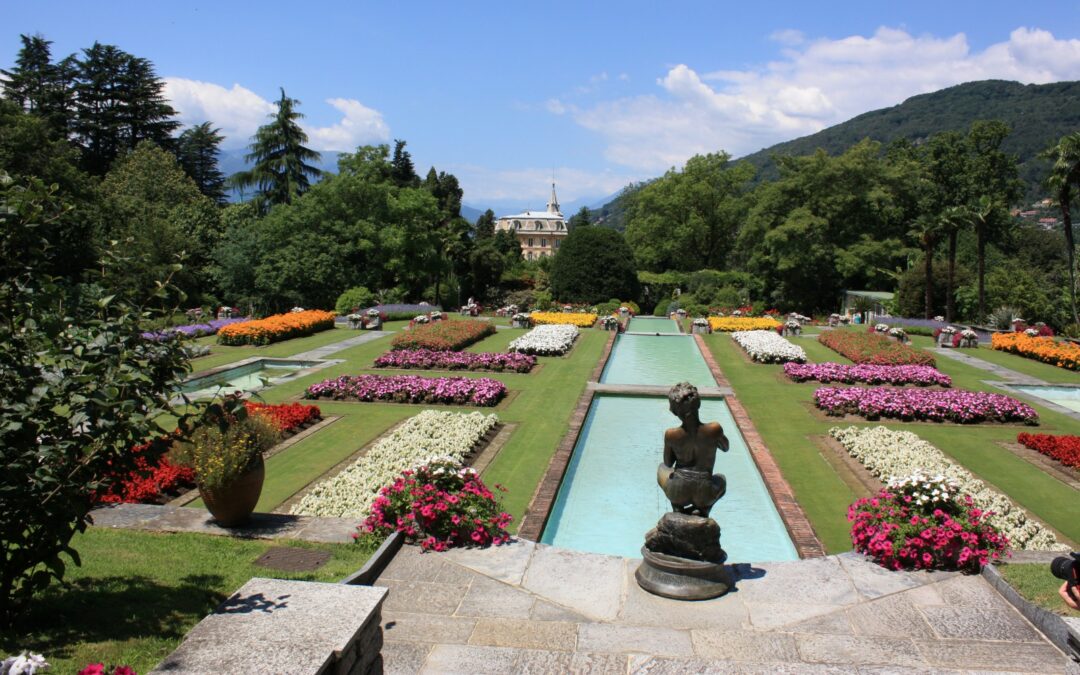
column 538, row 232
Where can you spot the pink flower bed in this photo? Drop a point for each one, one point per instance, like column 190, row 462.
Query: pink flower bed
column 922, row 376
column 953, row 405
column 431, row 359
column 481, row 391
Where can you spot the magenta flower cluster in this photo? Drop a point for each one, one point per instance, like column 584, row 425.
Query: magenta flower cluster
column 949, row 405
column 923, row 376
column 481, row 391
column 433, row 359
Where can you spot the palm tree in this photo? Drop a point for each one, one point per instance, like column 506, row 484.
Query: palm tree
column 953, row 220
column 281, row 172
column 1064, row 176
column 986, row 214
column 927, row 232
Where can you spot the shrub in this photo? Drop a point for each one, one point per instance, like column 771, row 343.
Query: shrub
column 440, row 505
column 871, row 348
column 1065, row 449
column 594, row 264
column 921, row 522
column 358, row 297
column 276, row 328
column 446, row 335
column 664, row 308
column 152, row 477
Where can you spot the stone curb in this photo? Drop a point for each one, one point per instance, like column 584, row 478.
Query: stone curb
column 378, row 561
column 1053, row 626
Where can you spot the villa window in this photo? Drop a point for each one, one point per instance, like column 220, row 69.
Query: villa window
column 543, row 243
column 530, row 241
column 530, row 255
column 517, row 224
column 556, row 243
column 539, row 225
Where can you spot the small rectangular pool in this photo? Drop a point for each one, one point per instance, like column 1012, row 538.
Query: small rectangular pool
column 246, row 376
column 1064, row 396
column 652, row 324
column 609, row 497
column 661, row 361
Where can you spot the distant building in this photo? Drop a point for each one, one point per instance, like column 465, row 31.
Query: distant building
column 538, row 232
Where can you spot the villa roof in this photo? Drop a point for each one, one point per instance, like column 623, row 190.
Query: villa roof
column 536, row 215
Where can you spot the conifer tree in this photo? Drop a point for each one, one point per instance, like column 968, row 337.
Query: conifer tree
column 197, row 149
column 402, row 171
column 39, row 86
column 282, row 170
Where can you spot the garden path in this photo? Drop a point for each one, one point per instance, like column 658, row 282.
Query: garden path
column 335, row 347
column 1007, row 374
column 528, row 607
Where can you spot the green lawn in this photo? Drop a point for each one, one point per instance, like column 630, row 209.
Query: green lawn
column 1030, row 367
column 221, row 354
column 1037, row 585
column 781, row 411
column 138, row 593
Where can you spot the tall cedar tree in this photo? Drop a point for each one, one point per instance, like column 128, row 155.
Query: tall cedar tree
column 402, row 171
column 485, row 225
column 40, row 86
column 197, row 149
column 282, row 171
column 119, row 102
column 581, row 218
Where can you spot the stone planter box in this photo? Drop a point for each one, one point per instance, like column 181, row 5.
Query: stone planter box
column 356, row 324
column 969, row 343
column 373, row 324
column 699, row 330
column 514, row 323
column 791, row 331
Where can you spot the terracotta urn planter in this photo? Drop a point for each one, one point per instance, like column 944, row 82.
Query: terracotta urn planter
column 233, row 504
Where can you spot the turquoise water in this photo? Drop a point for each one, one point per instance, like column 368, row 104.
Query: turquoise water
column 1066, row 397
column 248, row 377
column 664, row 361
column 650, row 324
column 609, row 498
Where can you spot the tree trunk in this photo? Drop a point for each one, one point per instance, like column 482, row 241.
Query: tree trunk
column 928, row 266
column 981, row 254
column 950, row 284
column 1070, row 246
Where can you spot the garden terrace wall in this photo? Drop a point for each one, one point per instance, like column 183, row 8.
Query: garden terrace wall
column 1045, row 349
column 873, row 349
column 446, row 335
column 276, row 328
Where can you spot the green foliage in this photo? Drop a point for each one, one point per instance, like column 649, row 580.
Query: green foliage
column 402, row 171
column 197, row 150
column 580, row 219
column 485, row 225
column 358, row 297
column 594, row 264
column 78, row 388
column 227, row 444
column 282, row 169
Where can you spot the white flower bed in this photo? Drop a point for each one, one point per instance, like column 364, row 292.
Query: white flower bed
column 419, row 440
column 765, row 346
column 546, row 340
column 889, row 455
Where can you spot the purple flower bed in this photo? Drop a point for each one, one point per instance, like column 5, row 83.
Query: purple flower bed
column 922, row 376
column 894, row 321
column 193, row 330
column 954, row 405
column 480, row 391
column 432, row 359
column 404, row 309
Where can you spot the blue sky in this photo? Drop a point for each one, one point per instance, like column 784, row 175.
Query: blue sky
column 603, row 93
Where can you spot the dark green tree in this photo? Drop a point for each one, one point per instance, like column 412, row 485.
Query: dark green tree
column 594, row 264
column 197, row 149
column 402, row 170
column 282, row 171
column 1064, row 184
column 40, row 86
column 120, row 102
column 581, row 218
column 485, row 225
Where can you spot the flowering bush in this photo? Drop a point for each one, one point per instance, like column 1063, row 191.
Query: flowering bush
column 275, row 328
column 148, row 482
column 609, row 322
column 889, row 454
column 953, row 405
column 419, row 319
column 701, row 321
column 417, row 441
column 26, row 663
column 728, row 324
column 881, row 328
column 922, row 376
column 193, row 330
column 898, row 333
column 428, row 359
column 921, row 523
column 1045, row 349
column 441, row 505
column 287, row 417
column 579, row 319
column 1065, row 449
column 481, row 391
column 443, row 335
column 102, row 669
column 551, row 340
column 225, row 447
column 873, row 349
column 765, row 346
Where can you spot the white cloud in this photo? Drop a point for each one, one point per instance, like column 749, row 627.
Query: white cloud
column 814, row 84
column 555, row 106
column 238, row 112
column 531, row 187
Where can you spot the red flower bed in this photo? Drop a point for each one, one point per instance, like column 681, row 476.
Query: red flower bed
column 874, row 349
column 1065, row 449
column 149, row 482
column 287, row 417
column 445, row 335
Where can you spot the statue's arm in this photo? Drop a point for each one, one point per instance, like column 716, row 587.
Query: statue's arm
column 722, row 441
column 669, row 452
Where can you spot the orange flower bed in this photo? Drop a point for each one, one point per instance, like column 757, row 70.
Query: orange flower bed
column 1045, row 349
column 276, row 328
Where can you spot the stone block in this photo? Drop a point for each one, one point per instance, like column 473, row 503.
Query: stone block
column 859, row 651
column 422, row 597
column 981, row 623
column 410, row 627
column 890, row 616
column 494, row 599
column 457, row 659
column 745, row 646
column 603, row 637
column 802, row 582
column 588, row 583
column 403, row 658
column 641, row 608
column 771, row 615
column 525, row 634
column 969, row 654
column 504, row 563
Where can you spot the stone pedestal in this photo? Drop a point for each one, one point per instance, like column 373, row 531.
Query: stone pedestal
column 515, row 323
column 683, row 559
column 703, row 330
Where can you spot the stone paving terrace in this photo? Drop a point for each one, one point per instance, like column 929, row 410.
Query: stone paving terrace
column 531, row 608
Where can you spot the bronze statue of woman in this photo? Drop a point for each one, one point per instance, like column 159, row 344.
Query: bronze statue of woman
column 686, row 475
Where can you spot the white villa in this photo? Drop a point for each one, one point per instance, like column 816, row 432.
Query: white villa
column 538, row 232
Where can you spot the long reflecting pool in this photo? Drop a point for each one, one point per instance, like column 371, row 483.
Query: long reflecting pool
column 609, row 497
column 663, row 361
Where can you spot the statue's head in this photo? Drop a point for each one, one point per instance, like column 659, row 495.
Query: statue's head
column 684, row 400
